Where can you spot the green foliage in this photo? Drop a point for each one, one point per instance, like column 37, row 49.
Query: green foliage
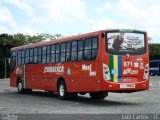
column 154, row 51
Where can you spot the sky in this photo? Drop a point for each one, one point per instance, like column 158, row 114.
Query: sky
column 72, row 17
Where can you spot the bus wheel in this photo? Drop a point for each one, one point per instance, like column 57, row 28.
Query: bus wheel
column 98, row 95
column 62, row 90
column 20, row 87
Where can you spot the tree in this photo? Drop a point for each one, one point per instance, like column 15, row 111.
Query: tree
column 154, row 51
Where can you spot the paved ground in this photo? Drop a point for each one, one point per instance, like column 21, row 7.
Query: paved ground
column 39, row 102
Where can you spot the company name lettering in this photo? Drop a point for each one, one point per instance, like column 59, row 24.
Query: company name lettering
column 53, row 69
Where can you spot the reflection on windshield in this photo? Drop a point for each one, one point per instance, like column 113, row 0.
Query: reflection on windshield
column 125, row 42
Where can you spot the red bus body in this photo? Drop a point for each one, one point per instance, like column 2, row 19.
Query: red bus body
column 128, row 73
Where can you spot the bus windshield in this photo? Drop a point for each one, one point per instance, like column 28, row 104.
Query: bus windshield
column 121, row 43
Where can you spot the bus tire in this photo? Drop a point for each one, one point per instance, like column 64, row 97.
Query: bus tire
column 20, row 88
column 98, row 95
column 62, row 90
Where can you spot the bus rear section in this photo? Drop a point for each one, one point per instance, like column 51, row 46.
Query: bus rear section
column 125, row 61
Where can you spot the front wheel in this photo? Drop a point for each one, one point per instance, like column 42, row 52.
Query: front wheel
column 98, row 95
column 20, row 88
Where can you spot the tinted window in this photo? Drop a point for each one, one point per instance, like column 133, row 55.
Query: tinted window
column 48, row 54
column 19, row 57
column 39, row 55
column 27, row 56
column 74, row 51
column 44, row 50
column 13, row 60
column 35, row 55
column 57, row 52
column 91, row 48
column 31, row 56
column 63, row 52
column 68, row 52
column 23, row 57
column 88, row 44
column 53, row 55
column 80, row 50
column 87, row 49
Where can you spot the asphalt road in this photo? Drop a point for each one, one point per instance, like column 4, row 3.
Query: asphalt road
column 40, row 102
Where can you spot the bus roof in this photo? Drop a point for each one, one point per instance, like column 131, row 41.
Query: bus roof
column 70, row 38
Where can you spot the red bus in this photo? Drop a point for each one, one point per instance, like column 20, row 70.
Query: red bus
column 95, row 63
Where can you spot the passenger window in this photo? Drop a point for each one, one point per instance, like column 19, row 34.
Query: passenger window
column 80, row 50
column 53, row 53
column 44, row 54
column 74, row 51
column 39, row 55
column 27, row 56
column 68, row 52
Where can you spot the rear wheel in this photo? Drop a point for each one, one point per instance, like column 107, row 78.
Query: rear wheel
column 98, row 95
column 62, row 91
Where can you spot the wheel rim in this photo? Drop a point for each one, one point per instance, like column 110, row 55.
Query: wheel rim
column 61, row 90
column 19, row 86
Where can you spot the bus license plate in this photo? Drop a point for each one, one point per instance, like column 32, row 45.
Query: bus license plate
column 127, row 85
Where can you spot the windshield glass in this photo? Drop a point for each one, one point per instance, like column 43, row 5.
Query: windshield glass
column 125, row 42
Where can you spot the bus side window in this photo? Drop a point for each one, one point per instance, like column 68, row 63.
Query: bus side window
column 94, row 47
column 87, row 49
column 74, row 51
column 31, row 56
column 53, row 53
column 19, row 57
column 57, row 52
column 44, row 51
column 27, row 56
column 35, row 55
column 48, row 53
column 80, row 50
column 90, row 48
column 68, row 48
column 13, row 59
column 39, row 55
column 63, row 52
column 23, row 57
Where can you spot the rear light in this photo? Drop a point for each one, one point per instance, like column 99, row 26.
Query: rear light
column 146, row 72
column 106, row 73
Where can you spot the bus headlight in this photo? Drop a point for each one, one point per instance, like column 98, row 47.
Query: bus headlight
column 106, row 73
column 146, row 72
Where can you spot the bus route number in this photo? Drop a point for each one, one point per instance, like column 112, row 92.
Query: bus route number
column 127, row 64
